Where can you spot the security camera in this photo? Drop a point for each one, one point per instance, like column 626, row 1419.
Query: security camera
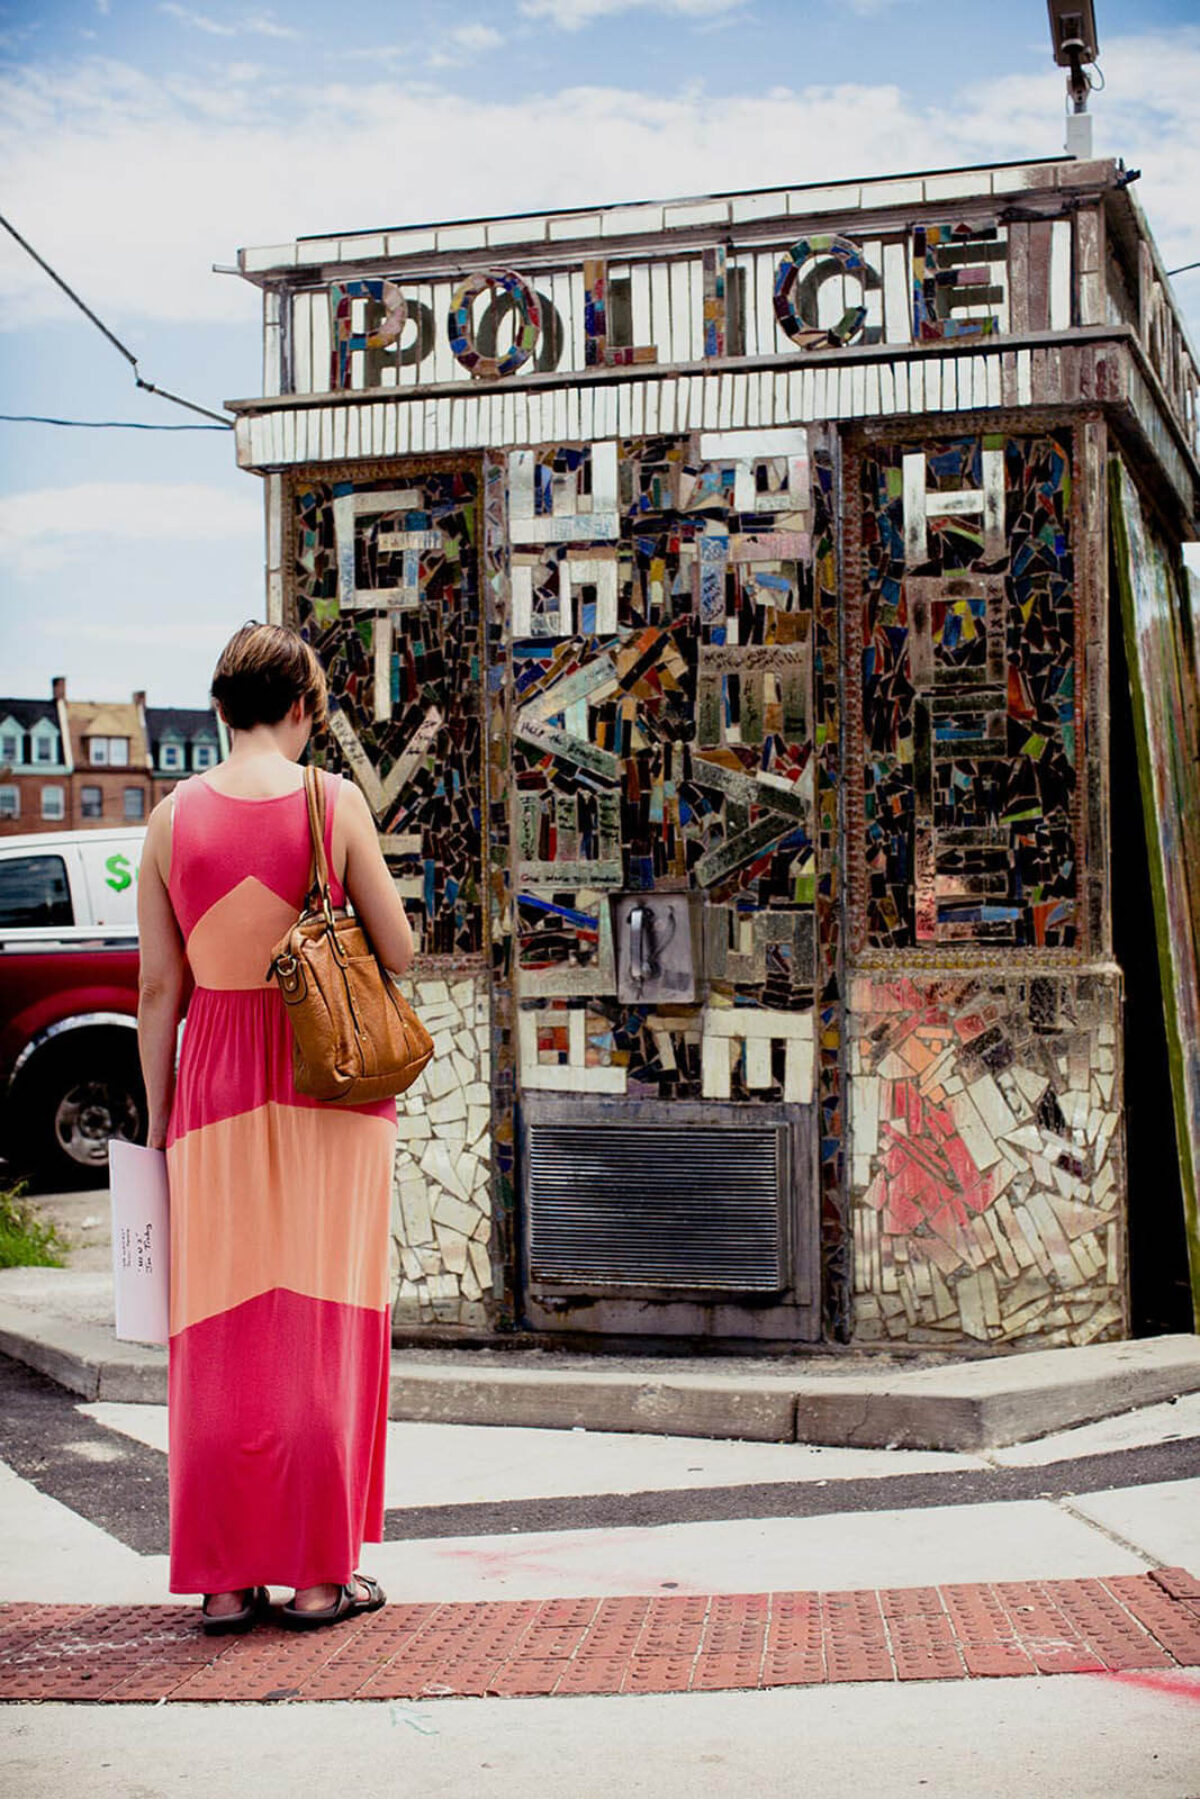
column 1073, row 32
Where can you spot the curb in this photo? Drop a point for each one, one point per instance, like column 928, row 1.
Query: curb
column 982, row 1404
column 84, row 1358
column 968, row 1406
column 1004, row 1399
column 756, row 1409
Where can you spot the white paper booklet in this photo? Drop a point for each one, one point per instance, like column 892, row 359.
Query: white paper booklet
column 141, row 1242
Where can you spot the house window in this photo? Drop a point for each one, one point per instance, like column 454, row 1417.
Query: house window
column 44, row 748
column 91, row 802
column 10, row 802
column 10, row 747
column 170, row 755
column 109, row 752
column 204, row 755
column 54, row 802
column 135, row 804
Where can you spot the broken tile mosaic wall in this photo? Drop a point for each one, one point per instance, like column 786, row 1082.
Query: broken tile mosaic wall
column 499, row 879
column 829, row 1021
column 385, row 585
column 657, row 623
column 385, row 588
column 986, row 1154
column 969, row 709
column 442, row 1214
column 662, row 645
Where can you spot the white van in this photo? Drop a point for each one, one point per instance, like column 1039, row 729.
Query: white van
column 69, row 886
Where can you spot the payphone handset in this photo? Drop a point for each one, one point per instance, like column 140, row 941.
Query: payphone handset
column 657, row 949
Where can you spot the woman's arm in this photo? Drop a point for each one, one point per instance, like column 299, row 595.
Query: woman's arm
column 161, row 975
column 370, row 887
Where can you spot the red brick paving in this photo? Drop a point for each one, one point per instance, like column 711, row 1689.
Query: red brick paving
column 688, row 1643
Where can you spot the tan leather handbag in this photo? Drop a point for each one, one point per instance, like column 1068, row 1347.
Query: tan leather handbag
column 356, row 1039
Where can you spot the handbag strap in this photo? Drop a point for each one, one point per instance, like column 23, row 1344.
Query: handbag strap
column 318, row 886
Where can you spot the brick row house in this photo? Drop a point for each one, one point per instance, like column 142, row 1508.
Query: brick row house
column 71, row 764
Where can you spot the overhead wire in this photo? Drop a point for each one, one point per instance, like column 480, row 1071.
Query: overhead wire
column 146, row 386
column 35, row 418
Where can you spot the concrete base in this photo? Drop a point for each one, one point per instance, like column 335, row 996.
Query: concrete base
column 1003, row 1399
column 968, row 1406
column 84, row 1358
column 971, row 1405
column 756, row 1408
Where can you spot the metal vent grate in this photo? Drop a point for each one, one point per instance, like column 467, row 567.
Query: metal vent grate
column 649, row 1206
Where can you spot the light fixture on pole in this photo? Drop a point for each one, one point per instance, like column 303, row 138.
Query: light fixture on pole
column 1073, row 34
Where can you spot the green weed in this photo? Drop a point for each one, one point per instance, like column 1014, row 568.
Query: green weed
column 27, row 1240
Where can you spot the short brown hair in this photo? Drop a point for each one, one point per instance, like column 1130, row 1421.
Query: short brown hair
column 262, row 671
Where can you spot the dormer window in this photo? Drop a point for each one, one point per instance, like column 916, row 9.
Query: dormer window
column 10, row 747
column 108, row 752
column 204, row 755
column 44, row 744
column 170, row 756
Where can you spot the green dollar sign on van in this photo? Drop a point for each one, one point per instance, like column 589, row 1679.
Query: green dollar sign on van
column 119, row 874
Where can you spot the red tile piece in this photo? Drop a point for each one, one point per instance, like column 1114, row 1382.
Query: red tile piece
column 658, row 1674
column 1176, row 1583
column 712, row 1673
column 596, row 1674
column 996, row 1661
column 1106, row 1626
column 792, row 1668
column 527, row 1675
column 1172, row 1622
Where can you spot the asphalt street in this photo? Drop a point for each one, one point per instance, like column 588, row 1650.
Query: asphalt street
column 120, row 1483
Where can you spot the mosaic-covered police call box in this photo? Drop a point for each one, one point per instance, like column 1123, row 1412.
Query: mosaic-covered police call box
column 715, row 602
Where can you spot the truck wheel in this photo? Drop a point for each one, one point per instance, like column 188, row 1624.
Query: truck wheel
column 75, row 1098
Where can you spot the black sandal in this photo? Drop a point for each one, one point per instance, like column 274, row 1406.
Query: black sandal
column 346, row 1605
column 225, row 1624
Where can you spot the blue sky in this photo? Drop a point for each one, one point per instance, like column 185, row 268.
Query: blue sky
column 143, row 142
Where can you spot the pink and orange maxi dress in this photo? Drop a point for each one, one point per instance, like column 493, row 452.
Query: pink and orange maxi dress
column 280, row 1338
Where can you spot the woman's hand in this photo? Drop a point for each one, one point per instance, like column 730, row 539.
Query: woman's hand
column 156, row 1135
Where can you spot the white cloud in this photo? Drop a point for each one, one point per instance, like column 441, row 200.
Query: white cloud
column 573, row 15
column 104, row 7
column 198, row 21
column 44, row 528
column 477, row 38
column 462, row 43
column 256, row 25
column 137, row 185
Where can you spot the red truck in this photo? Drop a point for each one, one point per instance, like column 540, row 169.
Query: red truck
column 69, row 1075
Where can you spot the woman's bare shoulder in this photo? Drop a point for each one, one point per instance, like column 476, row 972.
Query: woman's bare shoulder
column 158, row 825
column 352, row 803
column 156, row 853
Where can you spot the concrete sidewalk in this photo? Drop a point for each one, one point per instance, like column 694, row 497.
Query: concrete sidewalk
column 58, row 1320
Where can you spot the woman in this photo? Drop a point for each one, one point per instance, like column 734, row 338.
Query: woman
column 279, row 1353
